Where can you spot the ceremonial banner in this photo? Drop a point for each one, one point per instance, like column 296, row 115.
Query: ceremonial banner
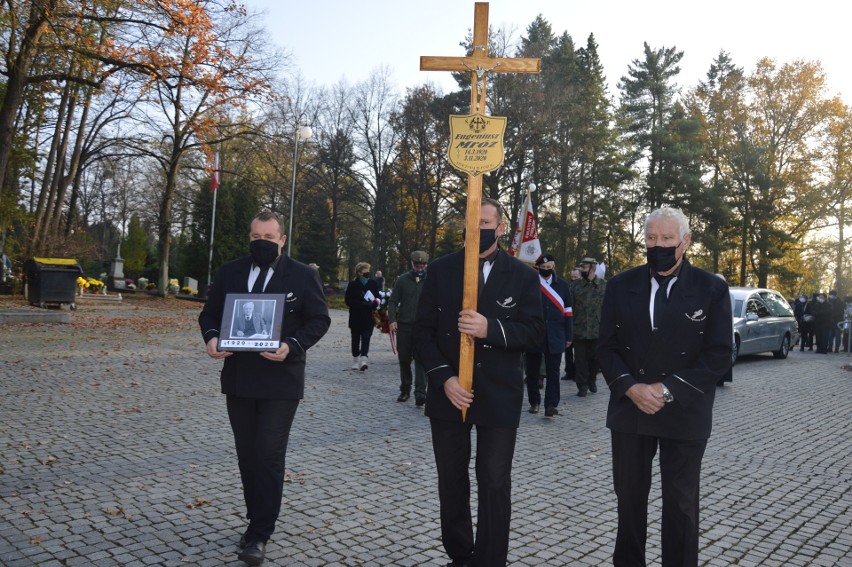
column 526, row 246
column 214, row 177
column 476, row 143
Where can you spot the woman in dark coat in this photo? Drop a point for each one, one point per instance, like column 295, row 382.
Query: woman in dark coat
column 822, row 323
column 362, row 298
column 808, row 317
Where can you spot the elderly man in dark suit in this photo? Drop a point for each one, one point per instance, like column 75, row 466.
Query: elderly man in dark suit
column 249, row 323
column 263, row 389
column 558, row 316
column 506, row 323
column 665, row 340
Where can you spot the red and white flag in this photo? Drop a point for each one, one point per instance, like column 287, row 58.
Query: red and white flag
column 214, row 178
column 526, row 246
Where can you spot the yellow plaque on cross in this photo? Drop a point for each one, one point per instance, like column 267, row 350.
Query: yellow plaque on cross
column 476, row 142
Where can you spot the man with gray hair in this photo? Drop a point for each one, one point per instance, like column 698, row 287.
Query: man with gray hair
column 665, row 340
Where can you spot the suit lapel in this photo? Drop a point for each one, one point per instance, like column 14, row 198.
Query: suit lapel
column 639, row 293
column 491, row 292
column 681, row 297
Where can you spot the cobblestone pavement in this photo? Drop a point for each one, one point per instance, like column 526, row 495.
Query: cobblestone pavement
column 115, row 450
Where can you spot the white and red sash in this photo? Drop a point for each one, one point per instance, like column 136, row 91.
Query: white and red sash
column 554, row 298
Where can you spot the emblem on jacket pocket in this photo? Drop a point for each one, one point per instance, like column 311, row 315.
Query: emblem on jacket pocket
column 507, row 303
column 697, row 316
column 291, row 297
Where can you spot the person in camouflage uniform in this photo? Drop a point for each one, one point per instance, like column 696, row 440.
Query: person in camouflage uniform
column 402, row 309
column 588, row 292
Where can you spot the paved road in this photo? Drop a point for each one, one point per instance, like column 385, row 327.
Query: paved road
column 115, row 450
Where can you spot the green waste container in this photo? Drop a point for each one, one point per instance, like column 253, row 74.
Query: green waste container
column 51, row 281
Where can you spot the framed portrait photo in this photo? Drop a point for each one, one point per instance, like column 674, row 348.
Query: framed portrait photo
column 251, row 322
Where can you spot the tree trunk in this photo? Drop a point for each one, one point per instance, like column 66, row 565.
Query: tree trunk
column 48, row 185
column 164, row 222
column 17, row 75
column 839, row 280
column 744, row 235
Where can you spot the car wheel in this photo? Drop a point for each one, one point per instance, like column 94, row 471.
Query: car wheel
column 785, row 348
column 736, row 353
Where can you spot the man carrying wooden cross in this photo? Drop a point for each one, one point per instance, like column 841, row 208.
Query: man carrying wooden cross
column 507, row 322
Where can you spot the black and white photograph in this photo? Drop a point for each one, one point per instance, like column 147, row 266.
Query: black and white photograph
column 252, row 322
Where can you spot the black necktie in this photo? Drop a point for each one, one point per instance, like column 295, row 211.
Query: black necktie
column 661, row 299
column 481, row 277
column 261, row 279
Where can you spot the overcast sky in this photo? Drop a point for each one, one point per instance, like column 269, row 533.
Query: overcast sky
column 345, row 39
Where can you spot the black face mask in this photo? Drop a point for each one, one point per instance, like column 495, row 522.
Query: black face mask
column 545, row 273
column 487, row 237
column 584, row 275
column 263, row 252
column 661, row 258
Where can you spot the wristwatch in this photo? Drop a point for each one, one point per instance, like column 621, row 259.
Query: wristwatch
column 667, row 396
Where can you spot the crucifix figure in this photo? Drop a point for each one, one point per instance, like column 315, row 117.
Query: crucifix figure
column 479, row 64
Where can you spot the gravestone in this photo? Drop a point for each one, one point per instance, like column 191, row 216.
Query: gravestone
column 115, row 278
column 191, row 283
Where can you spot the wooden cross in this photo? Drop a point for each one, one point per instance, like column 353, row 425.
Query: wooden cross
column 479, row 65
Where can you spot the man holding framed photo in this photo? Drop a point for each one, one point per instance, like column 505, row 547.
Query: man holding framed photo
column 263, row 387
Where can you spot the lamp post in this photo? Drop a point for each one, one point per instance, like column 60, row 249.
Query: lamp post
column 303, row 132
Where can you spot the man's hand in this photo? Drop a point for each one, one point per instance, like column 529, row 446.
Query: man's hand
column 647, row 397
column 473, row 323
column 568, row 344
column 212, row 351
column 457, row 395
column 393, row 326
column 279, row 355
column 240, row 334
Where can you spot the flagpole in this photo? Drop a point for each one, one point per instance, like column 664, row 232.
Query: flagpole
column 214, row 181
column 522, row 227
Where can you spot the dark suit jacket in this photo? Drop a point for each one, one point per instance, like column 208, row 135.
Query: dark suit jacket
column 689, row 353
column 257, row 324
column 511, row 301
column 559, row 328
column 306, row 320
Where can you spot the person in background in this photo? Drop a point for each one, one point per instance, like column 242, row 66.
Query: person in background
column 837, row 312
column 798, row 313
column 822, row 323
column 380, row 280
column 570, row 370
column 588, row 293
column 558, row 317
column 362, row 298
column 847, row 321
column 808, row 323
column 402, row 311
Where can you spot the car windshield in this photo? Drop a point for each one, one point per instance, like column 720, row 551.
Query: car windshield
column 736, row 306
column 776, row 303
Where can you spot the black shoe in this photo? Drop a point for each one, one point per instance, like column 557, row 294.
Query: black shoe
column 582, row 393
column 254, row 553
column 403, row 398
column 420, row 402
column 565, row 377
column 533, row 408
column 550, row 412
column 593, row 388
